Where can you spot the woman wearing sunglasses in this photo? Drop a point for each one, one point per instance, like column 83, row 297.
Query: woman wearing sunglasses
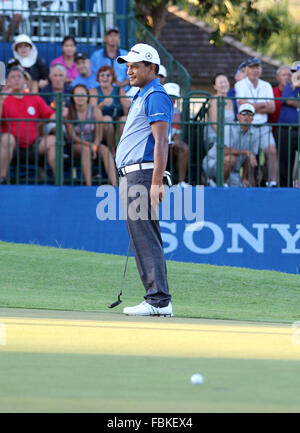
column 113, row 103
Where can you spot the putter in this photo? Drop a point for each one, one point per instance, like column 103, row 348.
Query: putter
column 118, row 302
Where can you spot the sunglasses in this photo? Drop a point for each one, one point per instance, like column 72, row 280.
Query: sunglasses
column 103, row 74
column 247, row 113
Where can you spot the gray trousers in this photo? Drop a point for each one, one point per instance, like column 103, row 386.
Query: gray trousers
column 145, row 237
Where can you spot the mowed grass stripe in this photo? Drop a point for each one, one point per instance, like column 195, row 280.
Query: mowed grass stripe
column 47, row 278
column 150, row 339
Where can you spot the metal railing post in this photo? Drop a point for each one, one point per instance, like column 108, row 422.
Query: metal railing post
column 59, row 142
column 298, row 153
column 220, row 140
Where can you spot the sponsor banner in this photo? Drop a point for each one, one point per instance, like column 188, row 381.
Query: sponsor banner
column 253, row 228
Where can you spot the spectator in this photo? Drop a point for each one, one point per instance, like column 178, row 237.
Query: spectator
column 288, row 135
column 240, row 148
column 179, row 150
column 23, row 134
column 86, row 134
column 15, row 9
column 68, row 47
column 248, row 90
column 162, row 74
column 283, row 76
column 11, row 63
column 26, row 53
column 86, row 77
column 108, row 56
column 221, row 85
column 57, row 84
column 112, row 102
column 240, row 74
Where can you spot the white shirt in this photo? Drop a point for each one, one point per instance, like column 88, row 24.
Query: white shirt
column 244, row 89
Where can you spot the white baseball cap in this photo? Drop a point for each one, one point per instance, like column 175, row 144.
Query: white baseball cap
column 140, row 53
column 246, row 107
column 295, row 66
column 172, row 89
column 162, row 71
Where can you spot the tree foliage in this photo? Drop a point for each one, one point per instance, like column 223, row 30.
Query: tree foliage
column 239, row 18
column 152, row 13
column 270, row 30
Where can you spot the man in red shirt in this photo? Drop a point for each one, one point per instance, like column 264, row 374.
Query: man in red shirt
column 283, row 76
column 23, row 133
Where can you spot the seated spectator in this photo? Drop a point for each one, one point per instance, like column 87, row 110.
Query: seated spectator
column 108, row 56
column 85, row 75
column 112, row 102
column 248, row 90
column 240, row 74
column 179, row 150
column 221, row 86
column 67, row 58
column 57, row 84
column 11, row 63
column 85, row 136
column 16, row 9
column 288, row 135
column 283, row 76
column 240, row 151
column 26, row 53
column 23, row 134
column 162, row 74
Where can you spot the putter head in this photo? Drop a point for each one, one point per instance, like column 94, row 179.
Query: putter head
column 114, row 304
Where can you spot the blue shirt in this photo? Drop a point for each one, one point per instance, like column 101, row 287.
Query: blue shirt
column 231, row 94
column 151, row 104
column 52, row 96
column 100, row 58
column 289, row 114
column 90, row 82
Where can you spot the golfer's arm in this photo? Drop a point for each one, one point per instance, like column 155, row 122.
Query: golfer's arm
column 161, row 148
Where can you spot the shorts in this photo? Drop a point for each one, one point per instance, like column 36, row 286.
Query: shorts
column 30, row 154
column 265, row 137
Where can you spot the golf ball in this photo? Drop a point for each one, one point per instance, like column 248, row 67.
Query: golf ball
column 197, row 379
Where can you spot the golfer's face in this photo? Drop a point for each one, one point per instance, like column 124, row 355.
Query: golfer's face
column 139, row 74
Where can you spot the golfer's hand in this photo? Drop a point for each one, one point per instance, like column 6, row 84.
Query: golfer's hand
column 156, row 195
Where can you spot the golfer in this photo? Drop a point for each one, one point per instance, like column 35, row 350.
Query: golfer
column 141, row 159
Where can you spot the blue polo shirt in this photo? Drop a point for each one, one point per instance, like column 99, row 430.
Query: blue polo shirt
column 151, row 104
column 90, row 82
column 100, row 58
column 289, row 114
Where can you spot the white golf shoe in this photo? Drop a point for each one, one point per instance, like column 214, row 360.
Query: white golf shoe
column 145, row 309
